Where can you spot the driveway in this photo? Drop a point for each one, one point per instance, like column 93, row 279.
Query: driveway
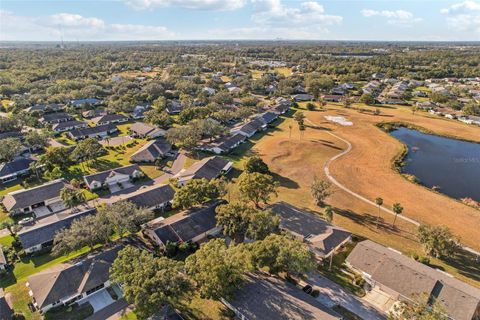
column 332, row 294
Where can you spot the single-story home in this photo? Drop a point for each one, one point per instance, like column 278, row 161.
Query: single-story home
column 139, row 110
column 78, row 103
column 264, row 297
column 174, row 107
column 302, row 97
column 267, row 117
column 401, row 278
column 93, row 132
column 281, row 108
column 71, row 282
column 68, row 125
column 42, row 199
column 145, row 130
column 110, row 118
column 207, row 168
column 10, row 171
column 94, row 113
column 331, row 98
column 224, row 144
column 40, row 235
column 152, row 151
column 192, row 226
column 44, row 108
column 56, row 117
column 322, row 238
column 250, row 128
column 113, row 178
column 157, row 197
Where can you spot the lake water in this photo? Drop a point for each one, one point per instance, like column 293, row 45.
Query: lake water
column 452, row 165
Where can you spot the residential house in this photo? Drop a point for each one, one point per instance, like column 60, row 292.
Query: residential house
column 51, row 118
column 280, row 108
column 399, row 277
column 209, row 91
column 139, row 110
column 174, row 107
column 71, row 282
column 265, row 297
column 152, row 151
column 68, row 126
column 267, row 117
column 12, row 134
column 98, row 132
column 12, row 170
column 40, row 235
column 113, row 177
column 157, row 197
column 79, row 103
column 110, row 119
column 250, row 128
column 299, row 89
column 89, row 114
column 145, row 130
column 207, row 168
column 3, row 261
column 302, row 97
column 42, row 200
column 378, row 75
column 224, row 144
column 191, row 226
column 6, row 313
column 331, row 98
column 323, row 238
column 44, row 108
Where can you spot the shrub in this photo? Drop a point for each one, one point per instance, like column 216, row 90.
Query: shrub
column 315, row 293
column 311, row 106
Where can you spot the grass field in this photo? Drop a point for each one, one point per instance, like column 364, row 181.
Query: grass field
column 367, row 169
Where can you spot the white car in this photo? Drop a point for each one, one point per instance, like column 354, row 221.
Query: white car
column 25, row 221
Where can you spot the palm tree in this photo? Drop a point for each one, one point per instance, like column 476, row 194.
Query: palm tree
column 397, row 209
column 7, row 225
column 328, row 213
column 72, row 197
column 378, row 202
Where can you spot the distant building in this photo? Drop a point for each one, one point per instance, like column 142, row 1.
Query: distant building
column 10, row 171
column 145, row 130
column 51, row 118
column 98, row 132
column 68, row 126
column 152, row 151
column 207, row 168
column 110, row 119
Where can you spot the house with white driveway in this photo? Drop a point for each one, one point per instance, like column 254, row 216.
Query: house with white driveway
column 115, row 179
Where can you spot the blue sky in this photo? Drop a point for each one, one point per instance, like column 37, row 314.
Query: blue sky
column 239, row 19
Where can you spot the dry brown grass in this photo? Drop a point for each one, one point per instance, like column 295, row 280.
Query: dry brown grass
column 367, row 170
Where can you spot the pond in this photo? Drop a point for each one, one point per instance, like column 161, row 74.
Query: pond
column 452, row 166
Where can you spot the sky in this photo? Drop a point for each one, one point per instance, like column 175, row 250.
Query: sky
column 101, row 20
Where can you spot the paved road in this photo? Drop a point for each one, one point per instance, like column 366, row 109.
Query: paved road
column 332, row 294
column 326, row 169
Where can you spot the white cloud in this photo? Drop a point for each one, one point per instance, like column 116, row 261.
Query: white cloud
column 308, row 14
column 463, row 16
column 398, row 17
column 188, row 4
column 74, row 27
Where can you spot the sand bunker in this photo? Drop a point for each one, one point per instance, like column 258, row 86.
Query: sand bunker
column 340, row 120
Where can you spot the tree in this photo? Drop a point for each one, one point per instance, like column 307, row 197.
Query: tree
column 311, row 106
column 125, row 217
column 86, row 231
column 421, row 308
column 320, row 190
column 437, row 241
column 72, row 197
column 55, row 173
column 328, row 213
column 299, row 117
column 149, row 282
column 36, row 140
column 397, row 209
column 239, row 220
column 217, row 269
column 347, row 101
column 471, row 109
column 414, row 109
column 256, row 164
column 378, row 202
column 9, row 149
column 280, row 253
column 196, row 192
column 257, row 187
column 159, row 118
column 367, row 98
column 262, row 224
column 56, row 157
column 88, row 150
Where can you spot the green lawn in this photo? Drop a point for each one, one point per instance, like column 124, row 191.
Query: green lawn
column 20, row 300
column 6, row 241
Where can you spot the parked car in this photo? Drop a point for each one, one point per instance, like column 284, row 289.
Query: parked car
column 26, row 221
column 307, row 289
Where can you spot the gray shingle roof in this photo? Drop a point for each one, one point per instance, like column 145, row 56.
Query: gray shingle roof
column 83, row 132
column 67, row 124
column 268, row 117
column 24, row 198
column 145, row 129
column 208, row 168
column 110, row 117
column 55, row 116
column 44, row 233
column 229, row 142
column 69, row 279
column 321, row 236
column 152, row 197
column 409, row 277
column 102, row 176
column 264, row 297
column 252, row 126
column 14, row 166
column 151, row 151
